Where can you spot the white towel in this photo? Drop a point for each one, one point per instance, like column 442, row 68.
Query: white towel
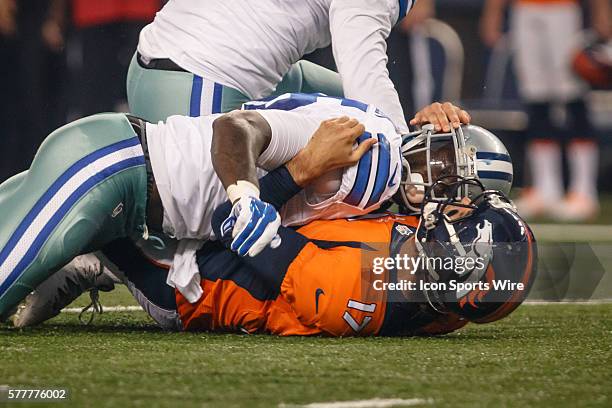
column 184, row 274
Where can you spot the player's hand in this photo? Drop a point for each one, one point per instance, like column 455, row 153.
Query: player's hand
column 442, row 116
column 254, row 225
column 331, row 147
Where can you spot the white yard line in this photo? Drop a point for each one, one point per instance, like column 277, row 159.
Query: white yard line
column 529, row 303
column 371, row 403
column 568, row 302
column 572, row 232
column 106, row 309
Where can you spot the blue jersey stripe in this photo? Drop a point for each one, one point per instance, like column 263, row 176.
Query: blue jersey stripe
column 362, row 178
column 403, row 4
column 496, row 175
column 493, row 156
column 354, row 104
column 59, row 215
column 217, row 98
column 294, row 101
column 54, row 188
column 196, row 97
column 250, row 106
column 382, row 170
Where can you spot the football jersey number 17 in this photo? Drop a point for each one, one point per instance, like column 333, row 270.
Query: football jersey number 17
column 362, row 307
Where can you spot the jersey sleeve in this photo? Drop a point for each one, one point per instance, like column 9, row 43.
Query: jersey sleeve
column 359, row 31
column 291, row 131
column 377, row 176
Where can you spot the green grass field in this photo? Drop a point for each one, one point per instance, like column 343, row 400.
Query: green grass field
column 542, row 355
column 548, row 355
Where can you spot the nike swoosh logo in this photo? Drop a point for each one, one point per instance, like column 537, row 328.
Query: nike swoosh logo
column 392, row 181
column 318, row 293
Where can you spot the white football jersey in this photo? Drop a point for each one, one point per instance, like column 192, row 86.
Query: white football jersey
column 250, row 45
column 344, row 193
column 190, row 189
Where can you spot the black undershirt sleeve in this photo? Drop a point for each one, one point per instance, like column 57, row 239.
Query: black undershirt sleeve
column 276, row 188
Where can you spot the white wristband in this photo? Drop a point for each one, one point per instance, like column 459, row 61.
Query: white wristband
column 240, row 189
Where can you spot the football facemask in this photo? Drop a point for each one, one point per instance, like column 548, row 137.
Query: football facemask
column 486, row 231
column 470, row 152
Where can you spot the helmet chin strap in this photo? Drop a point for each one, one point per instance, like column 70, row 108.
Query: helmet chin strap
column 432, row 298
column 454, row 238
column 428, row 220
column 416, row 192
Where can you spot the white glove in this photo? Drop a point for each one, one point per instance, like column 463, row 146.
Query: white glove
column 254, row 225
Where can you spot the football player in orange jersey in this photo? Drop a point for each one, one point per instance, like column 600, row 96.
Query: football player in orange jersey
column 324, row 279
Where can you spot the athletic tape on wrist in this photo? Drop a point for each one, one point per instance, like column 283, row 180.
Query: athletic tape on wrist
column 242, row 188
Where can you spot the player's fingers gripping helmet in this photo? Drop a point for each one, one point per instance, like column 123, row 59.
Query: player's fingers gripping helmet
column 493, row 253
column 469, row 151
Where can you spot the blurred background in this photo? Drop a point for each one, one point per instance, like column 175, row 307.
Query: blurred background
column 64, row 59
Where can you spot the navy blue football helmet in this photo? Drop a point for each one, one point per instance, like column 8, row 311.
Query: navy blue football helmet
column 491, row 251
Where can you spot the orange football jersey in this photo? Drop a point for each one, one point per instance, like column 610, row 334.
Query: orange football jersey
column 322, row 293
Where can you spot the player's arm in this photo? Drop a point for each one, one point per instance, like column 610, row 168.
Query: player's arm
column 254, row 222
column 422, row 10
column 277, row 188
column 601, row 18
column 244, row 140
column 239, row 138
column 8, row 12
column 491, row 21
column 359, row 31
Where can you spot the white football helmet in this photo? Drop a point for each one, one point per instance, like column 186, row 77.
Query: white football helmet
column 469, row 152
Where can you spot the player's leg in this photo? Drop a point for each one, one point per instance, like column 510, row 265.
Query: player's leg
column 581, row 202
column 544, row 159
column 303, row 77
column 146, row 281
column 85, row 187
column 83, row 273
column 159, row 89
column 13, row 183
column 307, row 77
column 530, row 37
column 121, row 261
column 60, row 289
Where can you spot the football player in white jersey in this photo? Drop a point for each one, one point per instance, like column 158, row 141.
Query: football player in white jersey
column 264, row 139
column 203, row 57
column 188, row 187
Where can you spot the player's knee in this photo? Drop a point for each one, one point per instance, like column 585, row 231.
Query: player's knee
column 540, row 122
column 578, row 122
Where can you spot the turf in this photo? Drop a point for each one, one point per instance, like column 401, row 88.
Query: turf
column 556, row 355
